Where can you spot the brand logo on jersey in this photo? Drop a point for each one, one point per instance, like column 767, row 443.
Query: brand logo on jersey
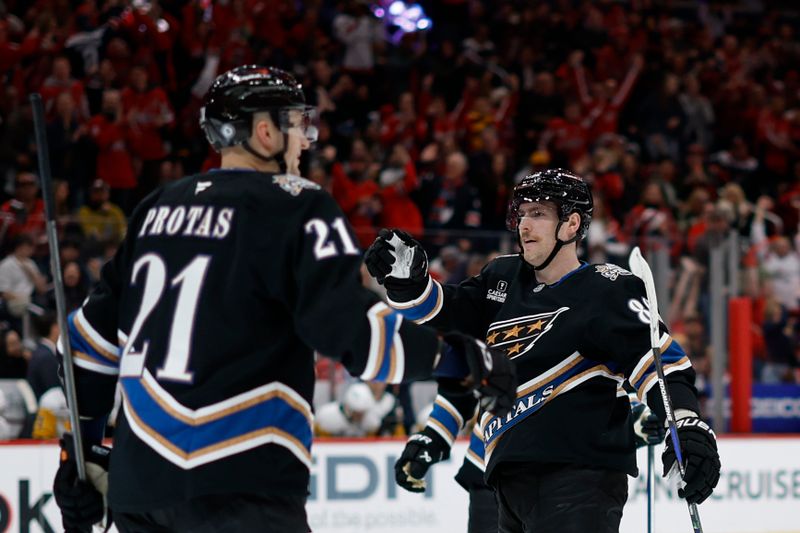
column 201, row 186
column 517, row 336
column 292, row 184
column 611, row 272
column 499, row 294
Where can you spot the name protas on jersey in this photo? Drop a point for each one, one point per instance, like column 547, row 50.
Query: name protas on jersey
column 205, row 221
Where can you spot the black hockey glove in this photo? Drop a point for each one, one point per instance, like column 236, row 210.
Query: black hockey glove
column 397, row 261
column 422, row 450
column 489, row 372
column 699, row 449
column 82, row 503
column 649, row 430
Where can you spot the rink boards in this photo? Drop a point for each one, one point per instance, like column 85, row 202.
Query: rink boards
column 353, row 490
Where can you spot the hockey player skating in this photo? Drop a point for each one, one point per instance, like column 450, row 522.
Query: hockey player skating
column 559, row 460
column 207, row 317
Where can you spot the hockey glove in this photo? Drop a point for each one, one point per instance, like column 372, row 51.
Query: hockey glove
column 397, row 261
column 422, row 450
column 82, row 503
column 646, row 426
column 489, row 373
column 699, row 449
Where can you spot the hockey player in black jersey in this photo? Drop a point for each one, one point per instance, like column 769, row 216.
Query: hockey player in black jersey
column 558, row 461
column 208, row 316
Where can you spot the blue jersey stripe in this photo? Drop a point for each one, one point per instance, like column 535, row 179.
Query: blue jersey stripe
column 425, row 307
column 272, row 412
column 445, row 418
column 389, row 356
column 83, row 345
column 672, row 354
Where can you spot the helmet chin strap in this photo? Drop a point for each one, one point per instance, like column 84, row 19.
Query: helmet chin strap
column 556, row 247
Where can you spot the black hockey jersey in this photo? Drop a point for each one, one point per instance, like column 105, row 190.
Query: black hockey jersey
column 574, row 343
column 208, row 316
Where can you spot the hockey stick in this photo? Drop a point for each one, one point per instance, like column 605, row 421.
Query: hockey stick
column 651, row 495
column 43, row 154
column 641, row 269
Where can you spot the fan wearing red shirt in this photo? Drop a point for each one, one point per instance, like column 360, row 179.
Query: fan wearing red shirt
column 147, row 112
column 109, row 131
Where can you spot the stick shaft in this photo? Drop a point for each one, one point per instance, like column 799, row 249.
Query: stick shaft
column 646, row 275
column 58, row 282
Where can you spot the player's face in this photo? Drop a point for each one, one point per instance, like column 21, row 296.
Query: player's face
column 297, row 139
column 537, row 229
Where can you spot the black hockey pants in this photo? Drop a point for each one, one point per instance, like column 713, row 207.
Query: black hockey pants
column 232, row 513
column 559, row 498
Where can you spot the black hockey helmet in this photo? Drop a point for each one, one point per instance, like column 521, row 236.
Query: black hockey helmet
column 568, row 191
column 227, row 114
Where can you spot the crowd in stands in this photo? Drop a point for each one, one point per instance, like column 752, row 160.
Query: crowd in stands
column 684, row 116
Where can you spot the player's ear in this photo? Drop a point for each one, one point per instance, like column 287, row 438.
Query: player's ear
column 573, row 225
column 264, row 133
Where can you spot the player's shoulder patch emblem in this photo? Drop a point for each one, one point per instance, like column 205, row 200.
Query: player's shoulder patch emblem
column 292, row 184
column 611, row 272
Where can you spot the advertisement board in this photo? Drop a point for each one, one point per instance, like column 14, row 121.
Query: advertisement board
column 353, row 490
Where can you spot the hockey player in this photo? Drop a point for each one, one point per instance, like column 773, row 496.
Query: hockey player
column 208, row 316
column 432, row 444
column 558, row 461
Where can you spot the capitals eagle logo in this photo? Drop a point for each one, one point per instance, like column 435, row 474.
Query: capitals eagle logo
column 518, row 335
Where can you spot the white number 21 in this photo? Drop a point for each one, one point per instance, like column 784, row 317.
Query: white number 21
column 190, row 280
column 324, row 248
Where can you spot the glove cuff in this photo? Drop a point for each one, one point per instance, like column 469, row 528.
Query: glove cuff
column 404, row 291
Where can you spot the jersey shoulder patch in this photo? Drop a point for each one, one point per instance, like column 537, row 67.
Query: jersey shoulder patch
column 292, row 184
column 611, row 271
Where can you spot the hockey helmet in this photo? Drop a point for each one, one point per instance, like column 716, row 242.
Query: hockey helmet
column 227, row 113
column 358, row 398
column 568, row 191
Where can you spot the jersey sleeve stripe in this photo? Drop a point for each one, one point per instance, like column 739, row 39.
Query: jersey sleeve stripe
column 386, row 359
column 647, row 359
column 425, row 307
column 441, row 406
column 85, row 362
column 189, row 438
column 652, row 378
column 444, row 431
column 81, row 343
column 672, row 354
column 107, row 349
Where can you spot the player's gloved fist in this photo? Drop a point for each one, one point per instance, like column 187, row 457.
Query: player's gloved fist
column 422, row 450
column 649, row 430
column 492, row 374
column 699, row 449
column 82, row 503
column 395, row 259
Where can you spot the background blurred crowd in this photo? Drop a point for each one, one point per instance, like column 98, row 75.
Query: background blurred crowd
column 684, row 116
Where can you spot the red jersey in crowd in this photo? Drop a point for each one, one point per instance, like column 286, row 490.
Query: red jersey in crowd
column 113, row 162
column 148, row 112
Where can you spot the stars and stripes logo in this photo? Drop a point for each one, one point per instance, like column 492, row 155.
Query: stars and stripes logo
column 518, row 335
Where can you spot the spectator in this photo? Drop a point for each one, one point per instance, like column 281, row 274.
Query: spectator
column 396, row 180
column 359, row 414
column 650, row 224
column 101, row 220
column 43, row 365
column 13, row 355
column 149, row 115
column 698, row 112
column 449, row 201
column 20, row 278
column 25, row 212
column 663, row 119
column 62, row 82
column 778, row 328
column 109, row 130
